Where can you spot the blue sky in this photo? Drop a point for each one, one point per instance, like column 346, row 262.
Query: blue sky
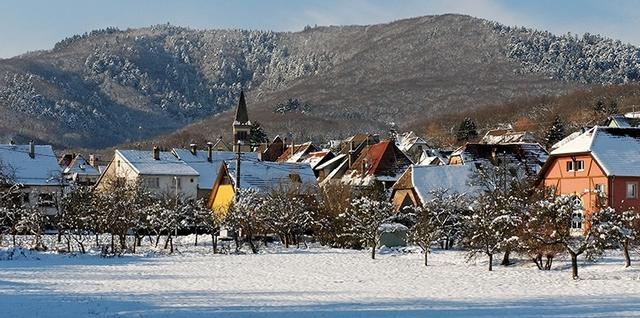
column 28, row 25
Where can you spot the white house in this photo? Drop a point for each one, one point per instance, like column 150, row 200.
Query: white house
column 34, row 170
column 160, row 171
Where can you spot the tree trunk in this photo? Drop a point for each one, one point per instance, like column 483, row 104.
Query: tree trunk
column 97, row 240
column 214, row 243
column 426, row 256
column 574, row 265
column 538, row 260
column 547, row 266
column 505, row 259
column 196, row 236
column 113, row 243
column 171, row 244
column 373, row 250
column 490, row 262
column 166, row 242
column 627, row 259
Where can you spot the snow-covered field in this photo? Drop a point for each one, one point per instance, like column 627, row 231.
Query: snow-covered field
column 315, row 282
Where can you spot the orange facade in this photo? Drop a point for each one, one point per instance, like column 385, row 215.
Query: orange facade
column 582, row 175
column 579, row 175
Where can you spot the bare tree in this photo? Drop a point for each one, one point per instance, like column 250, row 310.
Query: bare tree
column 364, row 218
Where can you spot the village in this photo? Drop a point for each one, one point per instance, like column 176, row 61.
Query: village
column 502, row 195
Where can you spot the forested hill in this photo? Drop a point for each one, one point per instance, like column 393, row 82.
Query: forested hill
column 114, row 86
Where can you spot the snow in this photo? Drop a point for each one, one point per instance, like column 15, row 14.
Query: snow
column 143, row 163
column 81, row 166
column 42, row 169
column 315, row 282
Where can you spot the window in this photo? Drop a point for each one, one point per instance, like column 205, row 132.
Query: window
column 600, row 188
column 632, row 190
column 580, row 165
column 152, row 182
column 576, row 220
column 46, row 199
column 175, row 182
column 569, row 165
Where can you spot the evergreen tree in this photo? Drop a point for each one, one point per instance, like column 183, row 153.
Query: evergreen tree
column 467, row 130
column 257, row 134
column 555, row 133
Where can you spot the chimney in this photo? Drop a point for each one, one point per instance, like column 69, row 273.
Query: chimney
column 12, row 142
column 194, row 148
column 156, row 153
column 209, row 151
column 32, row 149
column 93, row 160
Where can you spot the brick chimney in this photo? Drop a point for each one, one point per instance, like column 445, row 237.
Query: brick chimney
column 209, row 151
column 156, row 153
column 194, row 149
column 32, row 149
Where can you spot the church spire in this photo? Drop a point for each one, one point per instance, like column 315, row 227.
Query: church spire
column 242, row 117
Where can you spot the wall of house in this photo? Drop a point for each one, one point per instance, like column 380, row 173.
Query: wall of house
column 400, row 197
column 455, row 160
column 223, row 198
column 619, row 199
column 44, row 197
column 582, row 183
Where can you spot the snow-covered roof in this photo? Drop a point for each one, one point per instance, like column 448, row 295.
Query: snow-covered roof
column 316, row 157
column 452, row 178
column 567, row 139
column 409, row 139
column 42, row 169
column 532, row 155
column 264, row 175
column 143, row 163
column 617, row 150
column 208, row 170
column 506, row 136
column 80, row 166
column 331, row 161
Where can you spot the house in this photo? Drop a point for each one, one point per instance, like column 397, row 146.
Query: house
column 297, row 153
column 382, row 162
column 159, row 171
column 417, row 184
column 258, row 175
column 347, row 151
column 628, row 120
column 412, row 145
column 79, row 171
column 602, row 158
column 34, row 170
column 531, row 155
column 433, row 157
column 271, row 151
column 207, row 163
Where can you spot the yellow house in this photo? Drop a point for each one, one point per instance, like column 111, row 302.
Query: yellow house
column 258, row 175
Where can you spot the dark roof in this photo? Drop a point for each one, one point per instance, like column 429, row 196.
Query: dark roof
column 381, row 159
column 242, row 117
column 531, row 154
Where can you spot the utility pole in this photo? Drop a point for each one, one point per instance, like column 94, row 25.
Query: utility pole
column 237, row 197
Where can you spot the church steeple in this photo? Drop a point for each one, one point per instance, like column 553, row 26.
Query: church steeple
column 241, row 126
column 242, row 117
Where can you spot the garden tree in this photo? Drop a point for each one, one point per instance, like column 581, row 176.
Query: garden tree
column 242, row 217
column 32, row 221
column 364, row 217
column 625, row 225
column 555, row 133
column 117, row 217
column 285, row 212
column 487, row 230
column 535, row 233
column 508, row 189
column 257, row 134
column 141, row 199
column 77, row 217
column 437, row 220
column 333, row 200
column 208, row 220
column 577, row 233
column 467, row 130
